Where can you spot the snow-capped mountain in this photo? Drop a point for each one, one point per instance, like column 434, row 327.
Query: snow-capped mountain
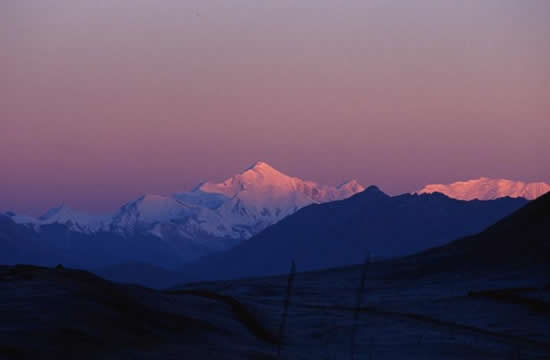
column 213, row 216
column 247, row 203
column 488, row 189
column 74, row 219
column 22, row 219
column 236, row 208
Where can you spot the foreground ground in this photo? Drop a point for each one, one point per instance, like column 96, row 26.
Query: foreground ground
column 466, row 315
column 68, row 314
column 60, row 313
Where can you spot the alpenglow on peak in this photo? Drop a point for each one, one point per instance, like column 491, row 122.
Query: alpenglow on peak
column 486, row 188
column 213, row 216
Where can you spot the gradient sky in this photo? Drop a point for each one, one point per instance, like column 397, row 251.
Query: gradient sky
column 103, row 100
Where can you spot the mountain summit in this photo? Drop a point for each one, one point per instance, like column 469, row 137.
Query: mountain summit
column 262, row 188
column 488, row 189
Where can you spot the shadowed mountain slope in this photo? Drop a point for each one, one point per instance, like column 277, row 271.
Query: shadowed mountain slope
column 519, row 239
column 341, row 233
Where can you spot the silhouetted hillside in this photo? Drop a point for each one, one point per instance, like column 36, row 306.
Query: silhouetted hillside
column 521, row 238
column 341, row 233
column 145, row 274
column 62, row 313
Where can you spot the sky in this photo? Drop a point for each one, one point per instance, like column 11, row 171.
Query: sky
column 104, row 100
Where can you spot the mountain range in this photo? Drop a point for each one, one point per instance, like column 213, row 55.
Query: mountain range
column 486, row 188
column 341, row 233
column 218, row 216
column 212, row 217
column 480, row 297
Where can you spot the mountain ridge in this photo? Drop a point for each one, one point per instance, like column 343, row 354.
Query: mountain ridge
column 485, row 188
column 340, row 233
column 215, row 215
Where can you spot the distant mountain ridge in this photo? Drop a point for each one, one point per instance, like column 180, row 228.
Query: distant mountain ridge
column 216, row 216
column 488, row 189
column 341, row 233
column 212, row 217
column 317, row 236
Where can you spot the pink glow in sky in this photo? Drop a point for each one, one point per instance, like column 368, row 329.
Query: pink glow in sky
column 103, row 100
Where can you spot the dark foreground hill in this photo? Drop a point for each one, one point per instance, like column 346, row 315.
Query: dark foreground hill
column 57, row 313
column 342, row 233
column 520, row 239
column 50, row 313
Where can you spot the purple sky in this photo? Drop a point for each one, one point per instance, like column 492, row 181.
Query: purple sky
column 103, row 100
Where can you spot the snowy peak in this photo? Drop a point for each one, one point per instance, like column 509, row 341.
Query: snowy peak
column 21, row 219
column 351, row 187
column 260, row 174
column 76, row 220
column 148, row 209
column 263, row 186
column 352, row 184
column 261, row 195
column 486, row 188
column 263, row 167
